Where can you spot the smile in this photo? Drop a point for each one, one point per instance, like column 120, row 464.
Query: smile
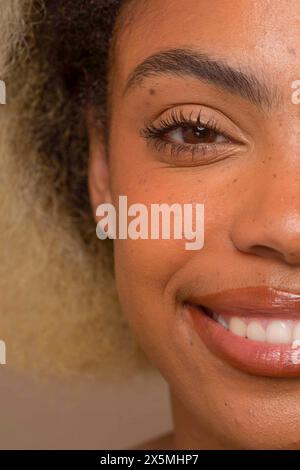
column 274, row 331
column 254, row 329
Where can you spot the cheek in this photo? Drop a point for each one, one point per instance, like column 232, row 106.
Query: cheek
column 144, row 268
column 154, row 262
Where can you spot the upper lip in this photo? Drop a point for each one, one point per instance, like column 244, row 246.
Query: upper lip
column 253, row 300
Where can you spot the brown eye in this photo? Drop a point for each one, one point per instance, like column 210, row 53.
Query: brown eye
column 195, row 135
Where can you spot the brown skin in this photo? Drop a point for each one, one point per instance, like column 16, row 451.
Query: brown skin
column 252, row 209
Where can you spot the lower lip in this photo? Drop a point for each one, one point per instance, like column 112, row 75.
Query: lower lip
column 253, row 357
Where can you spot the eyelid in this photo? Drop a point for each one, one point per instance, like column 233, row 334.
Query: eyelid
column 202, row 153
column 222, row 122
column 196, row 155
column 178, row 120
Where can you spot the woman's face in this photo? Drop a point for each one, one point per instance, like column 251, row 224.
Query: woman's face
column 220, row 128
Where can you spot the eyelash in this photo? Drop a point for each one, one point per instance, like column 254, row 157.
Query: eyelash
column 155, row 132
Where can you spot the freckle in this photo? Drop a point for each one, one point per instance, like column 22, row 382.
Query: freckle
column 274, row 175
column 235, row 180
column 152, row 91
column 291, row 51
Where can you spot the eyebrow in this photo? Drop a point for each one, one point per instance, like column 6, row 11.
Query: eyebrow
column 189, row 62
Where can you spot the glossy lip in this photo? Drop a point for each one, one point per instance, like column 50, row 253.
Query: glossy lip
column 254, row 357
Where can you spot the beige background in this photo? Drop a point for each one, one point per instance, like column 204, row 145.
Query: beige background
column 81, row 415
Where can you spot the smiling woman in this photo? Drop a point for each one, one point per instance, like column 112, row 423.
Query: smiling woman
column 165, row 104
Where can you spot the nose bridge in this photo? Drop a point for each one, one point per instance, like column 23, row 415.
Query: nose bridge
column 269, row 222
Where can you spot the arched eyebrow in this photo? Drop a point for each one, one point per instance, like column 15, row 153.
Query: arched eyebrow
column 189, row 62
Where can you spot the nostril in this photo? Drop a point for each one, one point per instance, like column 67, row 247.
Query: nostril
column 269, row 232
column 266, row 251
column 290, row 257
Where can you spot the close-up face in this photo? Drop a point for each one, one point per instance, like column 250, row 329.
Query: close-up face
column 201, row 111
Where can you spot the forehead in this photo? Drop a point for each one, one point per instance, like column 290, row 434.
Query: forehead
column 262, row 34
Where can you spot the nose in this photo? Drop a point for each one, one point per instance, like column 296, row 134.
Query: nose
column 267, row 223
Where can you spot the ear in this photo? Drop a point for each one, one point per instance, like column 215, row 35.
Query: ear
column 98, row 169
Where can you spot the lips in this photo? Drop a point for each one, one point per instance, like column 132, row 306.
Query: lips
column 256, row 329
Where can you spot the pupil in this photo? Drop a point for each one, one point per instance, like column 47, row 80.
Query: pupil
column 202, row 132
column 196, row 135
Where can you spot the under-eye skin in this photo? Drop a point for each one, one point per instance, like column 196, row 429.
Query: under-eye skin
column 190, row 138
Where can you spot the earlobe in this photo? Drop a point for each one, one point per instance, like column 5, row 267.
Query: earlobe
column 98, row 171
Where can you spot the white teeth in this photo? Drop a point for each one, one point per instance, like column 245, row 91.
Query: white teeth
column 222, row 322
column 256, row 332
column 296, row 331
column 278, row 332
column 237, row 326
column 215, row 316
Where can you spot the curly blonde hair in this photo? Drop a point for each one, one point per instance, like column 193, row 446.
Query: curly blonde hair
column 59, row 307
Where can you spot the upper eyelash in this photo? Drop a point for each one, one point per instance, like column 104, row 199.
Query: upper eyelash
column 154, row 131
